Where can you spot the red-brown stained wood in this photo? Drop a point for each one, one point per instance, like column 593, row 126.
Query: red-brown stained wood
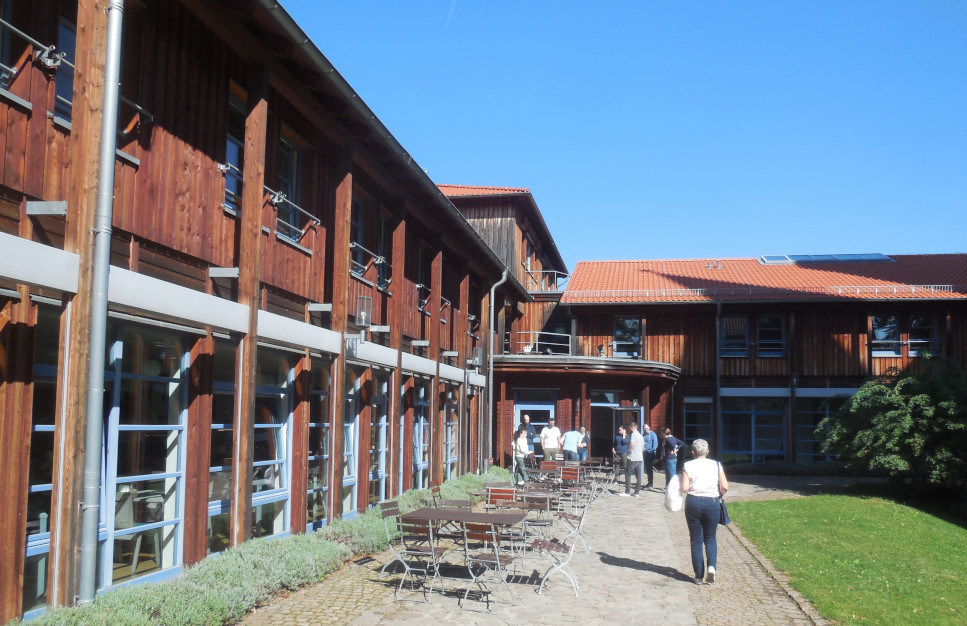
column 198, row 450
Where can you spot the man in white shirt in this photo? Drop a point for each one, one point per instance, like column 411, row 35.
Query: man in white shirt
column 636, row 452
column 551, row 440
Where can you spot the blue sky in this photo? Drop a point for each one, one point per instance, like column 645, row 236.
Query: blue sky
column 655, row 130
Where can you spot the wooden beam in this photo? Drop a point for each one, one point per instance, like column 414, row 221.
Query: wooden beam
column 251, row 243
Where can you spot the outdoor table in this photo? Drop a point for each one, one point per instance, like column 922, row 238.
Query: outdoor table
column 446, row 514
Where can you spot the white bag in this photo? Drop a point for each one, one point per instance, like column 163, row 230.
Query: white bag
column 673, row 495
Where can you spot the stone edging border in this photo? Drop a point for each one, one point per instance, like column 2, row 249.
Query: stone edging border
column 804, row 605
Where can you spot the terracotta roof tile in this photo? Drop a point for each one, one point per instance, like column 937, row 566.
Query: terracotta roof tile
column 918, row 276
column 476, row 190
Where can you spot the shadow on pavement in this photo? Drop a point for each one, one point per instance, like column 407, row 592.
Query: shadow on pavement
column 663, row 570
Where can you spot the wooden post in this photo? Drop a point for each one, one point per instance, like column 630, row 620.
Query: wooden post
column 250, row 269
column 436, row 417
column 397, row 314
column 198, row 452
column 74, row 353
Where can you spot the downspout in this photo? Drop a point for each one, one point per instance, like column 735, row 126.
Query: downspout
column 490, row 370
column 718, row 379
column 90, row 504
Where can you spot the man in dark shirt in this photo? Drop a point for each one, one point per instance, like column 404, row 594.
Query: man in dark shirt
column 620, row 449
column 531, row 432
column 651, row 447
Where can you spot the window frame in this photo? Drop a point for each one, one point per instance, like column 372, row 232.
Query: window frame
column 760, row 341
column 878, row 344
column 734, row 347
column 631, row 332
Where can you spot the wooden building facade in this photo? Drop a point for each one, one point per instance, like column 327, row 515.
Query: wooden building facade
column 749, row 354
column 297, row 319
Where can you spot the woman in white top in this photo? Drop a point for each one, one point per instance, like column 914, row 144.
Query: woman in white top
column 521, row 450
column 704, row 481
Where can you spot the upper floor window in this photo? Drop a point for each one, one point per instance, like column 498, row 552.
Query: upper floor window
column 734, row 335
column 64, row 83
column 384, row 249
column 923, row 334
column 770, row 336
column 234, row 152
column 886, row 334
column 7, row 71
column 357, row 236
column 290, row 186
column 423, row 277
column 627, row 336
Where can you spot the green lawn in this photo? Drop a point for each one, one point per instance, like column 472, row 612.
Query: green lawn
column 864, row 559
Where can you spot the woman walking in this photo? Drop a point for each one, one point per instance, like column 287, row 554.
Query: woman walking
column 703, row 480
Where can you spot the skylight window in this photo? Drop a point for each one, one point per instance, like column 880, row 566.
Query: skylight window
column 791, row 259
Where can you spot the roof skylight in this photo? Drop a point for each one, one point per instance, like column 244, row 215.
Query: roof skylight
column 790, row 259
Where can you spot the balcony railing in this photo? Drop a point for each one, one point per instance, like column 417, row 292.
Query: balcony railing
column 288, row 212
column 358, row 253
column 550, row 280
column 532, row 342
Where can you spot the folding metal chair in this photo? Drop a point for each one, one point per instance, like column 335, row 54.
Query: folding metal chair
column 493, row 556
column 559, row 554
column 412, row 545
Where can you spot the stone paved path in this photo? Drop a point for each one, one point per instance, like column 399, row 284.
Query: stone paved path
column 638, row 571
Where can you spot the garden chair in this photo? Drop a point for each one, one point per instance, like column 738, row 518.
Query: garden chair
column 488, row 558
column 413, row 546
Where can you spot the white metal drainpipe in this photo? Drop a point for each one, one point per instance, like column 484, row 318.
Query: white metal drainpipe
column 99, row 286
column 490, row 370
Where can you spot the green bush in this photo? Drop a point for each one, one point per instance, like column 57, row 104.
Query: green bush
column 222, row 588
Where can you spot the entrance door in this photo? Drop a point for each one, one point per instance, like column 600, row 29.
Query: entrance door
column 604, row 426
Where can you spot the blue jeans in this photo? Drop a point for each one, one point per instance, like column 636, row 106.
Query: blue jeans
column 702, row 518
column 582, row 454
column 671, row 466
column 570, row 455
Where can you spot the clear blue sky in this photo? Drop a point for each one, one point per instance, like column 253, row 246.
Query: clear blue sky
column 650, row 130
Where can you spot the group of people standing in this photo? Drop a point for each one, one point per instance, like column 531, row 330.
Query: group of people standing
column 702, row 480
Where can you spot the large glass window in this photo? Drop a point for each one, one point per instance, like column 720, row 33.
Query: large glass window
column 805, row 418
column 41, row 467
column 318, row 455
column 421, row 437
column 770, row 336
column 357, row 236
column 222, row 445
column 378, row 437
column 734, row 337
column 752, row 429
column 451, row 431
column 627, row 336
column 886, row 335
column 270, row 459
column 923, row 334
column 146, row 400
column 384, row 250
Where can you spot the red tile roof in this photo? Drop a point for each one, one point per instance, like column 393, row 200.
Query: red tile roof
column 476, row 190
column 918, row 276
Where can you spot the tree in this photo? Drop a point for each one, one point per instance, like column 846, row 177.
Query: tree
column 909, row 425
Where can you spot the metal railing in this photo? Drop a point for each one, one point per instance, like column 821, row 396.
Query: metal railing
column 44, row 54
column 548, row 280
column 359, row 269
column 535, row 342
column 284, row 226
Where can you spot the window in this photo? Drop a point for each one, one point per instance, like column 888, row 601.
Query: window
column 7, row 71
column 378, row 438
column 886, row 335
column 807, row 414
column 923, row 334
column 222, row 446
column 698, row 419
column 41, row 468
column 421, row 437
column 770, row 336
column 64, row 81
column 384, row 249
column 352, row 407
column 451, row 431
column 752, row 429
column 270, row 460
column 627, row 336
column 357, row 236
column 318, row 450
column 290, row 175
column 234, row 151
column 734, row 338
column 423, row 277
column 146, row 399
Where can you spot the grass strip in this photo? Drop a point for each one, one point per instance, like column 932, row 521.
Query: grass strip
column 864, row 559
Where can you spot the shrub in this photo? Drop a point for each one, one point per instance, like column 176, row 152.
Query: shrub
column 221, row 589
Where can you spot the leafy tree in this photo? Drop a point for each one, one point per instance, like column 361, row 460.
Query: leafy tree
column 909, row 425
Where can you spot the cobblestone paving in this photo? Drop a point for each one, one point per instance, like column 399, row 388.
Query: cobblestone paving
column 638, row 571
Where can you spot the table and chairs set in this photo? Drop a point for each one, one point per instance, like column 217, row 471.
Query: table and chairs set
column 489, row 546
